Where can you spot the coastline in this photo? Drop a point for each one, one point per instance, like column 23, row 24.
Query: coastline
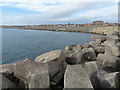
column 56, row 30
column 61, row 68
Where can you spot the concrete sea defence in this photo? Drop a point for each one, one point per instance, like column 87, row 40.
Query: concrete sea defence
column 84, row 29
column 92, row 65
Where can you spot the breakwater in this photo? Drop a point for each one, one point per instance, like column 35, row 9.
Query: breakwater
column 83, row 29
column 92, row 65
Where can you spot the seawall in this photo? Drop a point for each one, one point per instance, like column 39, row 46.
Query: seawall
column 92, row 65
column 83, row 29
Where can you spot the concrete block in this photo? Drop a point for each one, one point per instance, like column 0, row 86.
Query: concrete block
column 76, row 77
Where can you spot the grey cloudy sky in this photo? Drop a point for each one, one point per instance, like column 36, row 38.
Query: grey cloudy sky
column 23, row 12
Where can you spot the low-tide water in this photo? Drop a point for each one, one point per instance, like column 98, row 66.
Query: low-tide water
column 18, row 44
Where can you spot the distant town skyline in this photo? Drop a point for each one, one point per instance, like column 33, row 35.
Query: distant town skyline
column 36, row 12
column 93, row 23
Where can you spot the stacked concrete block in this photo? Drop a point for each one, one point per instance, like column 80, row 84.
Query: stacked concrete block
column 76, row 77
column 112, row 50
column 92, row 65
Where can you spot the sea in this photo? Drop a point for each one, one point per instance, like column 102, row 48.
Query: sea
column 18, row 44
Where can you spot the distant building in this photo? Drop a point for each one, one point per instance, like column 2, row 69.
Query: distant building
column 87, row 24
column 77, row 24
column 97, row 22
column 106, row 24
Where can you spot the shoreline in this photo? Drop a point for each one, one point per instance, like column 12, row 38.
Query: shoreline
column 87, row 64
column 55, row 30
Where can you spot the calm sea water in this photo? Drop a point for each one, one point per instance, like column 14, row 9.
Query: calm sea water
column 18, row 44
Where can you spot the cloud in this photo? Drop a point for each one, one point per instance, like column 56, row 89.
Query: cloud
column 61, row 11
column 34, row 5
column 43, row 5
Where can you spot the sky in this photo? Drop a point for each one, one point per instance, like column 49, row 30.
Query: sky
column 36, row 12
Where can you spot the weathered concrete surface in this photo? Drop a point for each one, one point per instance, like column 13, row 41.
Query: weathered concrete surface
column 102, row 38
column 10, row 68
column 70, row 47
column 116, row 50
column 86, row 45
column 67, row 53
column 22, row 83
column 108, row 48
column 77, row 48
column 55, row 61
column 39, row 80
column 71, row 60
column 108, row 61
column 96, row 77
column 5, row 83
column 50, row 56
column 24, row 70
column 91, row 67
column 27, row 67
column 115, row 33
column 76, row 77
column 78, row 56
column 112, row 48
column 86, row 54
column 89, row 54
column 98, row 41
column 111, row 80
column 7, row 67
column 93, row 44
column 113, row 37
column 104, row 30
column 99, row 48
